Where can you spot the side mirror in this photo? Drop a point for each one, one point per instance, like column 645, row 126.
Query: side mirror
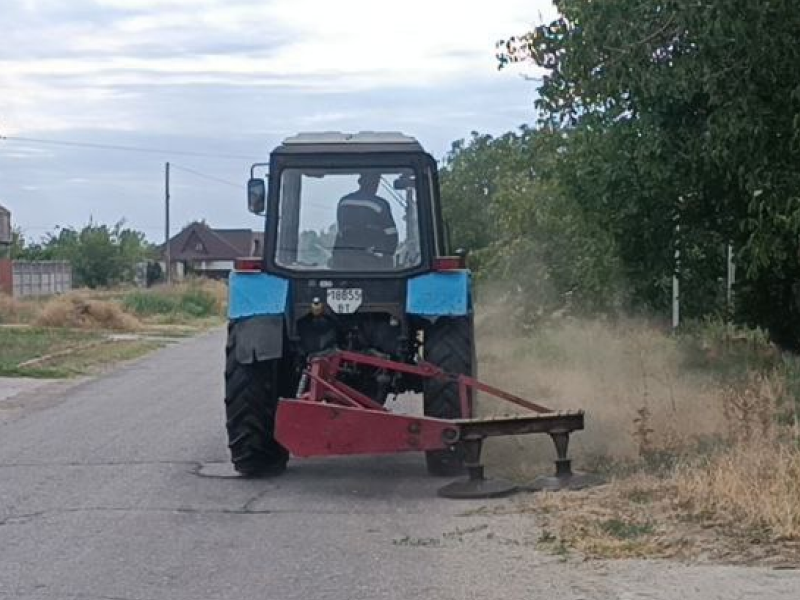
column 404, row 182
column 256, row 196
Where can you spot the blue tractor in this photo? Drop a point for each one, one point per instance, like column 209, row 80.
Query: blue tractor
column 355, row 259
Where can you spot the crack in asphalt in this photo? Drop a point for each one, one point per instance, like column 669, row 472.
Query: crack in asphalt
column 196, row 465
column 247, row 506
column 68, row 596
column 22, row 519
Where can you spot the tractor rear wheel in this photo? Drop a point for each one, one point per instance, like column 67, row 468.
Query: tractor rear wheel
column 251, row 400
column 449, row 343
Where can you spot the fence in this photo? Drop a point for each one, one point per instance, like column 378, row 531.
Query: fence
column 41, row 278
column 6, row 276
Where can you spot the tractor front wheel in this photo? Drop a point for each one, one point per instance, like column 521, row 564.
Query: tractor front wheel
column 251, row 400
column 449, row 344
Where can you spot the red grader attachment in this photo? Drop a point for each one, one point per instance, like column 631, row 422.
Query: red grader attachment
column 331, row 418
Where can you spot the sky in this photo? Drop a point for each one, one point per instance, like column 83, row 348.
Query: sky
column 212, row 85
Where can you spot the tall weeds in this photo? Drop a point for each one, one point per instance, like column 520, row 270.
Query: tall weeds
column 712, row 412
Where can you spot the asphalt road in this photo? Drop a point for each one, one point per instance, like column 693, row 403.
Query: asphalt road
column 115, row 489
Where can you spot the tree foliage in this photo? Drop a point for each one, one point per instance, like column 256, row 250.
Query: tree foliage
column 663, row 126
column 505, row 205
column 100, row 255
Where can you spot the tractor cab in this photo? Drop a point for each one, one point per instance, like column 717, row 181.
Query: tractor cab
column 341, row 204
column 354, row 249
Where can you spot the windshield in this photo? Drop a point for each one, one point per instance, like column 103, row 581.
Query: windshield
column 348, row 220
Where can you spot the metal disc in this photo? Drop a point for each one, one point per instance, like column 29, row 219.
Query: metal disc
column 575, row 481
column 468, row 489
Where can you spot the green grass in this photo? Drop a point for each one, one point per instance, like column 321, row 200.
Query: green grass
column 89, row 352
column 170, row 311
column 147, row 304
column 92, row 359
column 18, row 345
column 192, row 303
column 624, row 530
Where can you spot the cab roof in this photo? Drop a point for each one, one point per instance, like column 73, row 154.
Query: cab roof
column 335, row 142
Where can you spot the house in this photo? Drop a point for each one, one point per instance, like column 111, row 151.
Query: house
column 5, row 226
column 200, row 250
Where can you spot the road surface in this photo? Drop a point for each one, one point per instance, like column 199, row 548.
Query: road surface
column 115, row 489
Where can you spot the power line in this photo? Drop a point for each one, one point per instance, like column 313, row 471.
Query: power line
column 205, row 176
column 140, row 149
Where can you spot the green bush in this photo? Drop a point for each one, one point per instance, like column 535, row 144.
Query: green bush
column 728, row 349
column 192, row 301
column 149, row 303
column 197, row 303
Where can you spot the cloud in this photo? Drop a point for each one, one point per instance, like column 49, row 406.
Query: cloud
column 232, row 77
column 88, row 50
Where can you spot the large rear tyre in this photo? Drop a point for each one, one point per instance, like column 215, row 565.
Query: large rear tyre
column 251, row 400
column 449, row 344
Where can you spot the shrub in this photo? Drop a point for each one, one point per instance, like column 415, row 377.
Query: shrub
column 9, row 309
column 79, row 312
column 197, row 302
column 148, row 303
column 195, row 299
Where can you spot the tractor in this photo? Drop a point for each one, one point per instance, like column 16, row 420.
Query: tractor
column 357, row 297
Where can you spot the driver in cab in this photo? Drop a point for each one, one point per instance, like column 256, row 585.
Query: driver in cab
column 366, row 236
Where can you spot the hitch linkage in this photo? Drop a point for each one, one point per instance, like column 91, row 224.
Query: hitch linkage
column 329, row 417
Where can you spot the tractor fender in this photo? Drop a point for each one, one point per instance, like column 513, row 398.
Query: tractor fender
column 252, row 294
column 256, row 308
column 256, row 339
column 444, row 294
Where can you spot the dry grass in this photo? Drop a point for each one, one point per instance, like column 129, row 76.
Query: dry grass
column 16, row 311
column 65, row 335
column 9, row 309
column 754, row 484
column 625, row 519
column 78, row 311
column 700, row 438
column 738, row 505
column 644, row 516
column 219, row 291
column 628, row 377
column 198, row 303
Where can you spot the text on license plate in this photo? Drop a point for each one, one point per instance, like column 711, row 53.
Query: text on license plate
column 344, row 301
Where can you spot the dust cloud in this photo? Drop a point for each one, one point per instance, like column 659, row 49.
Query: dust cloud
column 629, row 376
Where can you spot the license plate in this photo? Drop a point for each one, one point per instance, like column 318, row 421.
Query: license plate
column 344, row 301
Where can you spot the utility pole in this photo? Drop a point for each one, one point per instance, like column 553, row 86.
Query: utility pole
column 676, row 269
column 167, row 250
column 676, row 293
column 730, row 280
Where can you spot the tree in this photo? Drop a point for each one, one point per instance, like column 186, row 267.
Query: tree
column 503, row 199
column 694, row 108
column 471, row 176
column 100, row 255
